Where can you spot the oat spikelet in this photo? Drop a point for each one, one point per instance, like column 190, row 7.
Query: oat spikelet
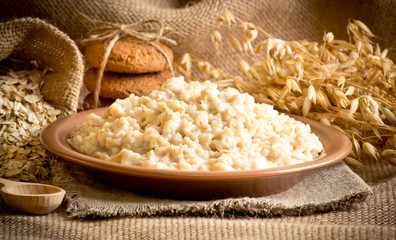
column 312, row 94
column 354, row 162
column 389, row 115
column 369, row 149
column 235, row 43
column 216, row 39
column 354, row 106
column 306, row 106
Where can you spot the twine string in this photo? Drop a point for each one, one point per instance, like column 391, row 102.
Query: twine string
column 110, row 33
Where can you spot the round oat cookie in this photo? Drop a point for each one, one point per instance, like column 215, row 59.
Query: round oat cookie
column 117, row 85
column 129, row 56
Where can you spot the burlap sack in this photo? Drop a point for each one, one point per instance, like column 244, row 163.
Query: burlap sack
column 35, row 39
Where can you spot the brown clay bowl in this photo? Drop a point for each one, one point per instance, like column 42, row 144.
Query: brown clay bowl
column 195, row 184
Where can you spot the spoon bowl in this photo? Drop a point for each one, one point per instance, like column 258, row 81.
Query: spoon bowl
column 33, row 198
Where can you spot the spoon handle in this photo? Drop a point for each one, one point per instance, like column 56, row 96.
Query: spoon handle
column 7, row 182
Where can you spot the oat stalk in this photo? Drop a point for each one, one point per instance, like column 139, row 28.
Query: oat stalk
column 349, row 85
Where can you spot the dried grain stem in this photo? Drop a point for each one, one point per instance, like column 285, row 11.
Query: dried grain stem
column 349, row 85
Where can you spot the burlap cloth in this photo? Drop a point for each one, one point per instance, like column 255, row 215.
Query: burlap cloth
column 334, row 202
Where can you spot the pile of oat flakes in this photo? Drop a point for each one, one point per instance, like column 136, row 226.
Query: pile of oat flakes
column 23, row 115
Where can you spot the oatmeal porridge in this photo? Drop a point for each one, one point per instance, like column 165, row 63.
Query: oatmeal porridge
column 195, row 126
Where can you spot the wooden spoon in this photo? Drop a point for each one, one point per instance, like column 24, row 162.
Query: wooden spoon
column 31, row 198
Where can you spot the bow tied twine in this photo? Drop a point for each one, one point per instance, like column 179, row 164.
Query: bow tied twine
column 110, row 33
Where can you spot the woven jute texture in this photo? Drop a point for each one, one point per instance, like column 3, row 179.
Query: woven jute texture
column 35, row 39
column 374, row 218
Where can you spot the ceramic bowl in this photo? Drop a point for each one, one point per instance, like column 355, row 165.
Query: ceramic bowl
column 195, row 184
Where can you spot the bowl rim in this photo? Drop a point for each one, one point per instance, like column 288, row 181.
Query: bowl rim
column 53, row 137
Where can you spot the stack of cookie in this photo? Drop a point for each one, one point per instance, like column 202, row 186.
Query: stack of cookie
column 132, row 67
